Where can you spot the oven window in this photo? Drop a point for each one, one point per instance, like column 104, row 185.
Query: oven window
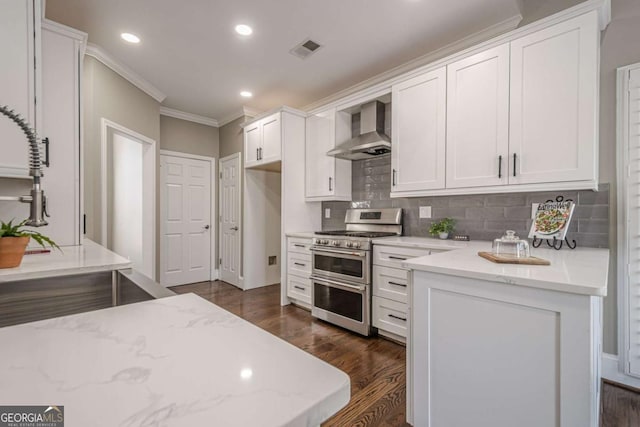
column 334, row 264
column 338, row 301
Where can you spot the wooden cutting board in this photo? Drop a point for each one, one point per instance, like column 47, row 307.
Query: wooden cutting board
column 505, row 259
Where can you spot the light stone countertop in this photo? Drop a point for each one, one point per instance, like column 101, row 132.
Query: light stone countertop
column 421, row 242
column 176, row 361
column 89, row 257
column 581, row 271
column 300, row 234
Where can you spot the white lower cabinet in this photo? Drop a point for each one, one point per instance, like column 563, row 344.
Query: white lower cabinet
column 299, row 271
column 491, row 354
column 389, row 308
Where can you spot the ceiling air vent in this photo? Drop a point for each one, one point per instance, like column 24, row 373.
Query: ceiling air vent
column 305, row 49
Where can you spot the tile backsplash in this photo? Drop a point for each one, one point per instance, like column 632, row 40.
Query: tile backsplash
column 482, row 217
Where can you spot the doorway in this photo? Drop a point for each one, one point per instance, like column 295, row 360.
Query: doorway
column 187, row 245
column 230, row 219
column 129, row 195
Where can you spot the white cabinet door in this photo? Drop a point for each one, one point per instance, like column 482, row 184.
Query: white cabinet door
column 271, row 147
column 61, row 125
column 17, row 82
column 252, row 144
column 320, row 168
column 554, row 103
column 478, row 119
column 418, row 123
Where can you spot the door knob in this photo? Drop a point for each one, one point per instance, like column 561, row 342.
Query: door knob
column 235, row 228
column 206, row 227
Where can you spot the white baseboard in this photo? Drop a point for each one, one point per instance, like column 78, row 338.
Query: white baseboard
column 611, row 371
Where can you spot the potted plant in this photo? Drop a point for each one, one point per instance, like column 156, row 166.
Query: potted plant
column 442, row 228
column 14, row 240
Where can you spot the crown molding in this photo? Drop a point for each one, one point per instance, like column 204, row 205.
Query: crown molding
column 195, row 118
column 282, row 109
column 127, row 73
column 242, row 112
column 475, row 38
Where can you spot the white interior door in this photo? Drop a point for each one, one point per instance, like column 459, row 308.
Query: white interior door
column 230, row 221
column 185, row 215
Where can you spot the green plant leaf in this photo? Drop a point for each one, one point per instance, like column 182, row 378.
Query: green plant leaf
column 10, row 230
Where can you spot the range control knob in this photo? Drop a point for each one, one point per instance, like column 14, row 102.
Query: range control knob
column 349, row 244
column 324, row 242
column 357, row 245
column 336, row 243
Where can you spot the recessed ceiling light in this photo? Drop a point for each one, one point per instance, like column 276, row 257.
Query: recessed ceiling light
column 244, row 30
column 246, row 94
column 131, row 38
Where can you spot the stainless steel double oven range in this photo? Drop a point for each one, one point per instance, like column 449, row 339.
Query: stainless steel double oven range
column 341, row 267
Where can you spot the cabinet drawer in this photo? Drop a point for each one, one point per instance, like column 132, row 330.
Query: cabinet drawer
column 299, row 245
column 299, row 288
column 392, row 256
column 390, row 316
column 299, row 264
column 390, row 283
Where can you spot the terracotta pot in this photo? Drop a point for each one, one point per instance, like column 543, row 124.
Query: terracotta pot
column 12, row 250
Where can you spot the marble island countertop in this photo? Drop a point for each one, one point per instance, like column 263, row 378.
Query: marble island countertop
column 581, row 271
column 177, row 361
column 89, row 257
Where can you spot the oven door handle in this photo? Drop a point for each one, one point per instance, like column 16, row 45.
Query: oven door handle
column 341, row 285
column 331, row 251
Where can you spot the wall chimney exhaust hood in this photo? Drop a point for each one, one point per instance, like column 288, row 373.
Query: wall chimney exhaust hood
column 372, row 140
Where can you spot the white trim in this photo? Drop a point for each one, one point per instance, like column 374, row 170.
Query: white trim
column 622, row 167
column 244, row 111
column 282, row 109
column 611, row 371
column 186, row 155
column 70, row 32
column 513, row 188
column 127, row 73
column 240, row 213
column 105, row 126
column 213, row 271
column 499, row 33
column 190, row 117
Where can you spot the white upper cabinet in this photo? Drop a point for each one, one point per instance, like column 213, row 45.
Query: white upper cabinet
column 554, row 103
column 252, row 142
column 418, row 126
column 327, row 177
column 263, row 141
column 478, row 119
column 17, row 80
column 271, row 149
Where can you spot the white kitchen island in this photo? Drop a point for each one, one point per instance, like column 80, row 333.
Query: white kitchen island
column 497, row 345
column 176, row 361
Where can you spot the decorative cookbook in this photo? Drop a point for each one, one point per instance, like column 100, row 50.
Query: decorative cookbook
column 552, row 220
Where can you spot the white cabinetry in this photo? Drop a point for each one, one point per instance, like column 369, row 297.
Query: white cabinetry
column 19, row 41
column 419, row 125
column 478, row 119
column 531, row 354
column 327, row 177
column 521, row 115
column 62, row 51
column 263, row 142
column 390, row 289
column 554, row 103
column 299, row 270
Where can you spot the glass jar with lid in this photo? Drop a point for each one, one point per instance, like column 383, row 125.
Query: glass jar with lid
column 511, row 245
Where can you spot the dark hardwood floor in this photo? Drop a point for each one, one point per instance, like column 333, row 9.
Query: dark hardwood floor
column 376, row 366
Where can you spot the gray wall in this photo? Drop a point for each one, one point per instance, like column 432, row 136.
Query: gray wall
column 232, row 137
column 188, row 137
column 107, row 95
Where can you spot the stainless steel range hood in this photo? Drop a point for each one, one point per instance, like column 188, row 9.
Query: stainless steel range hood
column 372, row 140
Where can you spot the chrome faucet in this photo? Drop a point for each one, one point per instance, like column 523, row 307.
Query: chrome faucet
column 36, row 199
